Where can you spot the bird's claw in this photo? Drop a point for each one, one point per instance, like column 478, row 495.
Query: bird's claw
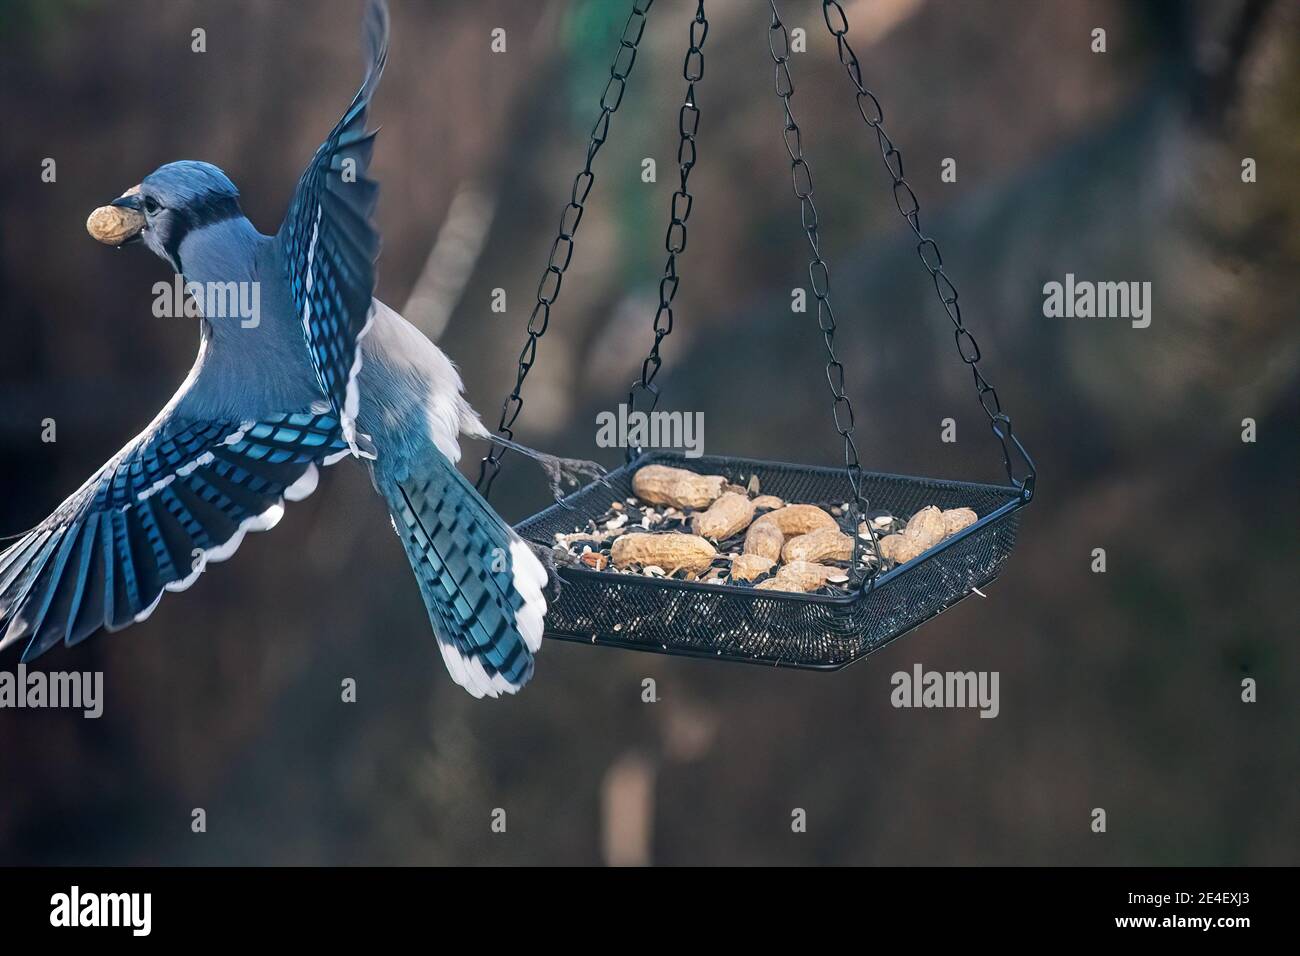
column 559, row 471
column 548, row 557
column 573, row 472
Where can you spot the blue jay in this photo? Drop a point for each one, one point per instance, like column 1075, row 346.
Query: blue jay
column 325, row 373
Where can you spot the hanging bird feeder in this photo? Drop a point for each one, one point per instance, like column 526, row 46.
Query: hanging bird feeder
column 881, row 598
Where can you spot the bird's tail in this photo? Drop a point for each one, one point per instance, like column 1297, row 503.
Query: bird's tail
column 481, row 584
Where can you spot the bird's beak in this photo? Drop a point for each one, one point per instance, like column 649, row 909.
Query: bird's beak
column 129, row 200
column 120, row 222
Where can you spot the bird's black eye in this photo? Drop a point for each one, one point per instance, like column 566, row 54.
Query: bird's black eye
column 151, row 205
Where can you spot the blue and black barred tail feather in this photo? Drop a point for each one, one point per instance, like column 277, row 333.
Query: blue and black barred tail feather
column 179, row 497
column 481, row 584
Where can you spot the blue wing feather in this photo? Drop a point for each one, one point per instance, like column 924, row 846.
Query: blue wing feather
column 330, row 245
column 182, row 489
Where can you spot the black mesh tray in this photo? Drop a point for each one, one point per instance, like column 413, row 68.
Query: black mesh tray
column 770, row 627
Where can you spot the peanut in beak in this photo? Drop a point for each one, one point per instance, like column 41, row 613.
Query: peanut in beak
column 114, row 225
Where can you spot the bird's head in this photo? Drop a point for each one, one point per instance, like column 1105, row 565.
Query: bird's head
column 169, row 204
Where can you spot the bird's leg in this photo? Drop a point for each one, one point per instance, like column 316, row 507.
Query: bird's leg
column 559, row 471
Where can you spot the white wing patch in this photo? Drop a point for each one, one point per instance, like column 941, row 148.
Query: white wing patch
column 304, row 486
column 352, row 397
column 189, row 467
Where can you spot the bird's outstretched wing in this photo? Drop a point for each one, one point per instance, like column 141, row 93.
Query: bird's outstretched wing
column 181, row 495
column 330, row 245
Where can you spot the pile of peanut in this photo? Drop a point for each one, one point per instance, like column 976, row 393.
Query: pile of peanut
column 704, row 528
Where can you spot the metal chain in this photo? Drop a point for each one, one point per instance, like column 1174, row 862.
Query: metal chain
column 688, row 125
column 548, row 289
column 928, row 251
column 819, row 277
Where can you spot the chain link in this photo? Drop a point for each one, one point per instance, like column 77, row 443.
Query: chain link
column 548, row 289
column 688, row 125
column 928, row 251
column 819, row 277
column 905, row 200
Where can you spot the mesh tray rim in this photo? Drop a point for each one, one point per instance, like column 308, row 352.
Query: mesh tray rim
column 791, row 664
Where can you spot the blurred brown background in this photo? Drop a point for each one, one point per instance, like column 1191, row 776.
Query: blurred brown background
column 1119, row 690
